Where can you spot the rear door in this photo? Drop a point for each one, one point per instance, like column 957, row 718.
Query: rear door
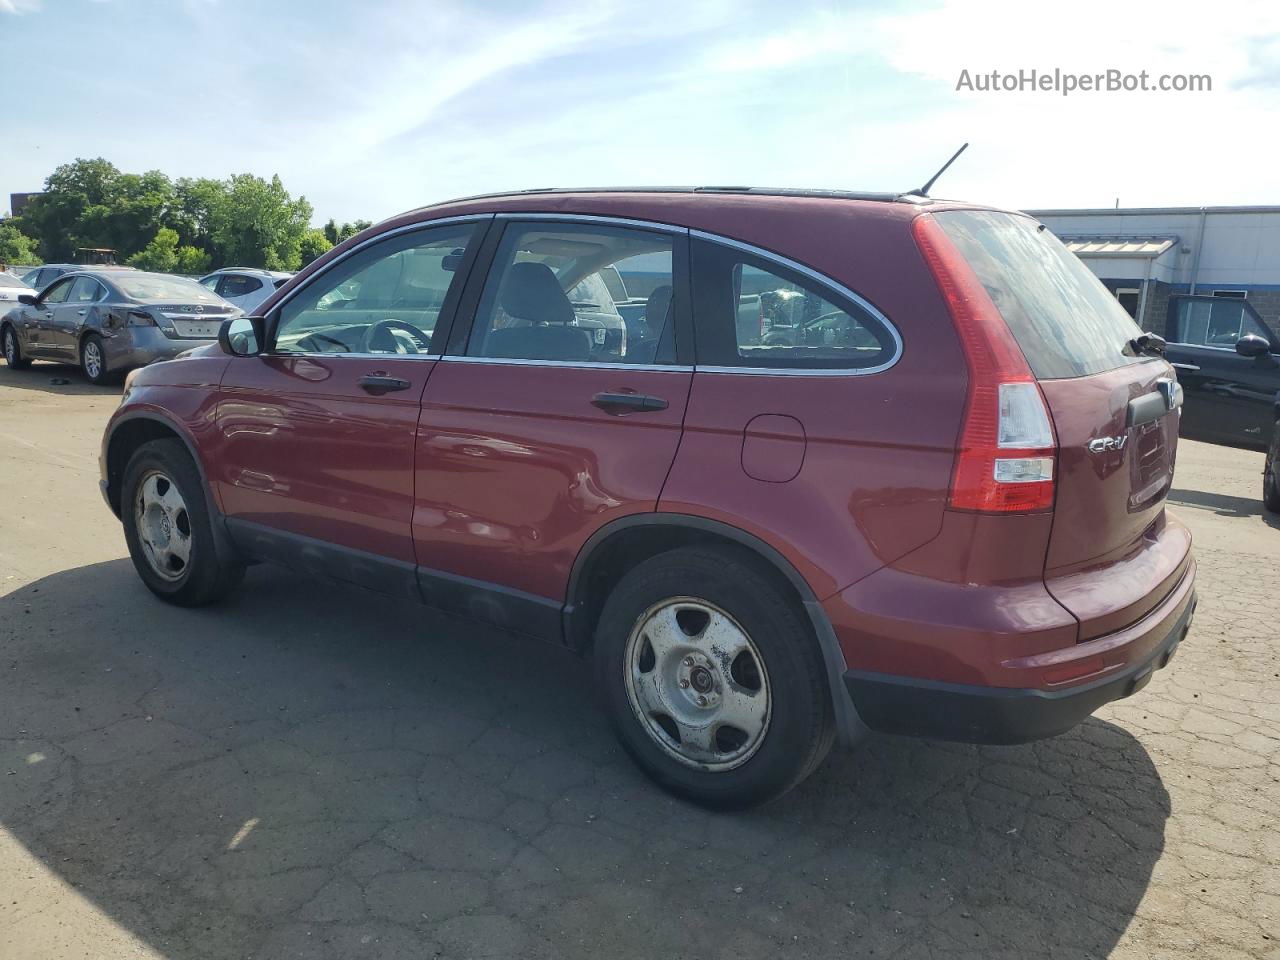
column 1113, row 555
column 1229, row 397
column 544, row 423
column 315, row 465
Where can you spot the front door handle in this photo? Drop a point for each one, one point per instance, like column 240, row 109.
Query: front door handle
column 1185, row 366
column 628, row 402
column 378, row 384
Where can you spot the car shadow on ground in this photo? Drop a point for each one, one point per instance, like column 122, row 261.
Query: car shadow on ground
column 310, row 771
column 37, row 378
column 1225, row 505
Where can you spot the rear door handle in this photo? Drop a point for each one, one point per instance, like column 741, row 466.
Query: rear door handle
column 1193, row 367
column 624, row 402
column 378, row 384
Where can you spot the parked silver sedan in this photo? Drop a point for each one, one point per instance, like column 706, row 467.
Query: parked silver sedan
column 108, row 321
column 11, row 287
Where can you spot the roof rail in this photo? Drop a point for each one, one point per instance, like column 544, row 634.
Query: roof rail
column 881, row 197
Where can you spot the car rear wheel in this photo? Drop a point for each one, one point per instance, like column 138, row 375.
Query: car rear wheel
column 13, row 350
column 93, row 360
column 1271, row 473
column 168, row 528
column 713, row 678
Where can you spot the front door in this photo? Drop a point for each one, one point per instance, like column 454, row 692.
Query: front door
column 551, row 415
column 69, row 317
column 38, row 321
column 315, row 465
column 1229, row 398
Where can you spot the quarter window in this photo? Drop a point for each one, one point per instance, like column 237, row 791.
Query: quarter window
column 386, row 298
column 561, row 292
column 753, row 312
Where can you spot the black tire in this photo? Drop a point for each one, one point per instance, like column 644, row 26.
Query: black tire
column 800, row 727
column 211, row 570
column 1271, row 473
column 12, row 349
column 99, row 374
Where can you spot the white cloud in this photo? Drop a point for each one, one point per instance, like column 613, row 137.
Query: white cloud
column 19, row 6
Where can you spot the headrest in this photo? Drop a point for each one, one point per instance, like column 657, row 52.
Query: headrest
column 532, row 292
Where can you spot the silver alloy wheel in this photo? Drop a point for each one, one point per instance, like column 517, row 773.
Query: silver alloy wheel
column 163, row 524
column 92, row 359
column 697, row 684
column 10, row 348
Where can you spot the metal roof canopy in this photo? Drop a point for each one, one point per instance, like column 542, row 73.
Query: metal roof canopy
column 1150, row 247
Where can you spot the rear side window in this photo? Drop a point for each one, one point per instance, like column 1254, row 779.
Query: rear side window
column 237, row 285
column 1066, row 322
column 754, row 311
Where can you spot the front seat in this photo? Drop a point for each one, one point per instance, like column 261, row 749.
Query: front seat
column 644, row 336
column 531, row 295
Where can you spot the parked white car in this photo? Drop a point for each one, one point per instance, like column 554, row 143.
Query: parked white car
column 10, row 287
column 244, row 287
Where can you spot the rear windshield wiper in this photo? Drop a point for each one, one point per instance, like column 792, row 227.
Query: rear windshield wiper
column 1151, row 344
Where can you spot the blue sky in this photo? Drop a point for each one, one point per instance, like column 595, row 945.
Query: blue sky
column 372, row 107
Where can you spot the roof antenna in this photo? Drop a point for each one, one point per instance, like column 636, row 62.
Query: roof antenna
column 924, row 191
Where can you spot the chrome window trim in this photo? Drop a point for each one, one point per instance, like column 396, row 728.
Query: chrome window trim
column 822, row 280
column 361, row 356
column 407, row 228
column 593, row 218
column 575, row 364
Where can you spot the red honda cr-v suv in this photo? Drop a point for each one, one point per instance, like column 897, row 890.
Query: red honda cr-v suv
column 788, row 465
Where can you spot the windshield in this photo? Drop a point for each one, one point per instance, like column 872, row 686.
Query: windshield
column 155, row 286
column 1066, row 322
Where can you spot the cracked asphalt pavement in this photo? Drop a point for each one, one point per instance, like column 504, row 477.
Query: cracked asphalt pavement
column 307, row 771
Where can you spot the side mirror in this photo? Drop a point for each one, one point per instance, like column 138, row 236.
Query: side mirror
column 27, row 298
column 242, row 336
column 1252, row 345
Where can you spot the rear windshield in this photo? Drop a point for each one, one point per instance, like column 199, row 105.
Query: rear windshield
column 1066, row 322
column 154, row 286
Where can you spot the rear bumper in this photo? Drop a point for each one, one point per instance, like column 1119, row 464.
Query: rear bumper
column 982, row 714
column 139, row 346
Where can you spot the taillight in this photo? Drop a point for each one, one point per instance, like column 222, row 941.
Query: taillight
column 1005, row 460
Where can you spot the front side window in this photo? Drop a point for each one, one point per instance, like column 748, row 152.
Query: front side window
column 550, row 295
column 1214, row 322
column 385, row 298
column 58, row 292
column 752, row 311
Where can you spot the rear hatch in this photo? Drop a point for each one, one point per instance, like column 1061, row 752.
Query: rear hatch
column 1113, row 553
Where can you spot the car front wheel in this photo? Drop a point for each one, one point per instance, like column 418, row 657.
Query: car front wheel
column 1271, row 473
column 13, row 351
column 168, row 528
column 713, row 678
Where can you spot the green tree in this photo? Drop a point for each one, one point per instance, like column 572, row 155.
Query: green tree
column 195, row 209
column 314, row 243
column 336, row 234
column 192, row 260
column 160, row 255
column 259, row 225
column 54, row 217
column 16, row 246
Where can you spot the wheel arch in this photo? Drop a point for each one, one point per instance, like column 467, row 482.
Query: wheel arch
column 618, row 546
column 131, row 431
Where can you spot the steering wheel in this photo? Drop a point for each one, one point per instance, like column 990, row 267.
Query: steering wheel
column 417, row 341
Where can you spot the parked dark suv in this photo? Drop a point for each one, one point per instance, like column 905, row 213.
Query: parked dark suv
column 939, row 512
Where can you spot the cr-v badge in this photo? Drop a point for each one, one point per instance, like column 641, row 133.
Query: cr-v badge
column 1104, row 444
